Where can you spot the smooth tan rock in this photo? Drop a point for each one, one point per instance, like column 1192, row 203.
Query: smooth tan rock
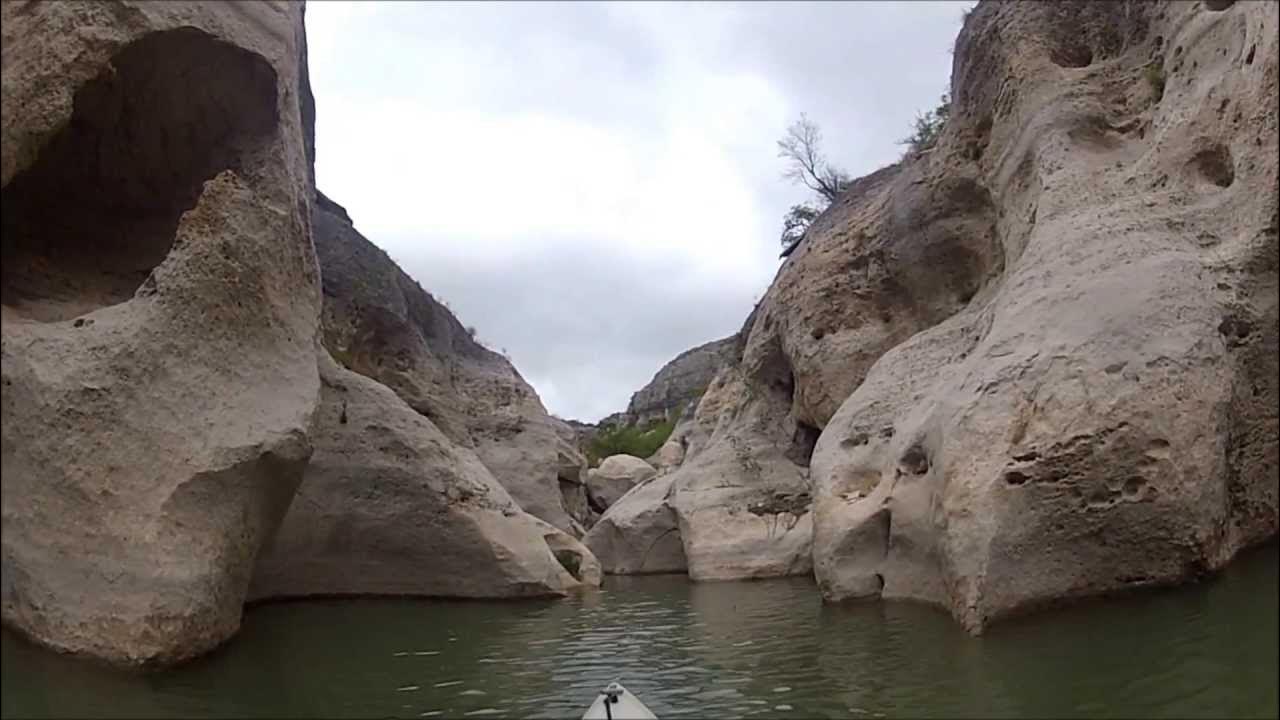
column 575, row 557
column 160, row 300
column 1101, row 413
column 670, row 455
column 639, row 533
column 743, row 499
column 1040, row 357
column 615, row 476
column 390, row 506
column 571, row 474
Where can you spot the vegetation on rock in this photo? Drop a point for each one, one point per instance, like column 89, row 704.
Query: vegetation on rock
column 928, row 126
column 640, row 441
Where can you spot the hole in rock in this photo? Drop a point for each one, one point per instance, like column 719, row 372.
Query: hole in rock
column 1071, row 54
column 1133, row 486
column 858, row 438
column 1218, row 5
column 570, row 561
column 1013, row 477
column 596, row 503
column 914, row 462
column 1215, row 165
column 87, row 222
column 802, row 443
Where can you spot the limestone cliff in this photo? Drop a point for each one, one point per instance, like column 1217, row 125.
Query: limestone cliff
column 400, row 497
column 160, row 301
column 1036, row 362
column 381, row 323
column 167, row 383
column 390, row 506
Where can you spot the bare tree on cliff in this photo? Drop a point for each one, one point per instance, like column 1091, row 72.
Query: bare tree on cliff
column 801, row 147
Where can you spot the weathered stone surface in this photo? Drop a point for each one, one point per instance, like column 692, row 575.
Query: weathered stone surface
column 614, row 478
column 1081, row 392
column 679, row 383
column 573, row 555
column 571, row 474
column 1041, row 356
column 390, row 506
column 380, row 322
column 670, row 455
column 639, row 533
column 159, row 299
column 742, row 499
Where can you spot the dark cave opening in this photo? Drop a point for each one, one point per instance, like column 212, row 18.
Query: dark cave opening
column 97, row 211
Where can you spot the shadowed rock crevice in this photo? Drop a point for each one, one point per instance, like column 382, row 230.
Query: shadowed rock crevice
column 1215, row 165
column 84, row 225
column 806, row 436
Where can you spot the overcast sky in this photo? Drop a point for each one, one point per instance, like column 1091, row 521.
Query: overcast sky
column 596, row 187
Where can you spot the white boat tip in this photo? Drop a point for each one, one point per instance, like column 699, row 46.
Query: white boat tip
column 615, row 702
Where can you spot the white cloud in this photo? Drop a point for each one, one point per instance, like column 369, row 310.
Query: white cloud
column 595, row 186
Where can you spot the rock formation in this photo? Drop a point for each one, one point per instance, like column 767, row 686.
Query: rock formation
column 571, row 473
column 670, row 455
column 1073, row 299
column 1034, row 362
column 380, row 323
column 614, row 478
column 679, row 383
column 639, row 533
column 160, row 301
column 390, row 506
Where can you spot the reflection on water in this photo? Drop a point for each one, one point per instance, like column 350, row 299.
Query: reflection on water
column 768, row 649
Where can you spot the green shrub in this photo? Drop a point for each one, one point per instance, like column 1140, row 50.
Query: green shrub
column 630, row 440
column 344, row 357
column 928, row 126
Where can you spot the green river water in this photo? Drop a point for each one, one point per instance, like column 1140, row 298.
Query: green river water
column 767, row 649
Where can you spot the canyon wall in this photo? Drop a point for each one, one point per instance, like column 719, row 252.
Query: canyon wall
column 160, row 302
column 1034, row 362
column 168, row 383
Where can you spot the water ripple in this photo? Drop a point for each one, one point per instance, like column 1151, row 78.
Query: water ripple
column 760, row 649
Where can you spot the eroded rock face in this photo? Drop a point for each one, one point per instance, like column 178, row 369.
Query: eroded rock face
column 1036, row 362
column 571, row 474
column 614, row 478
column 742, row 496
column 159, row 299
column 679, row 383
column 639, row 533
column 390, row 506
column 1086, row 400
column 380, row 323
column 670, row 455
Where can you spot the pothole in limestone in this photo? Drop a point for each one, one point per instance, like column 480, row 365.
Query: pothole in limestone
column 97, row 211
column 1215, row 164
column 1071, row 53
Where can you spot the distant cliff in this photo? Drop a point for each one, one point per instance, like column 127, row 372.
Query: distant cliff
column 679, row 383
